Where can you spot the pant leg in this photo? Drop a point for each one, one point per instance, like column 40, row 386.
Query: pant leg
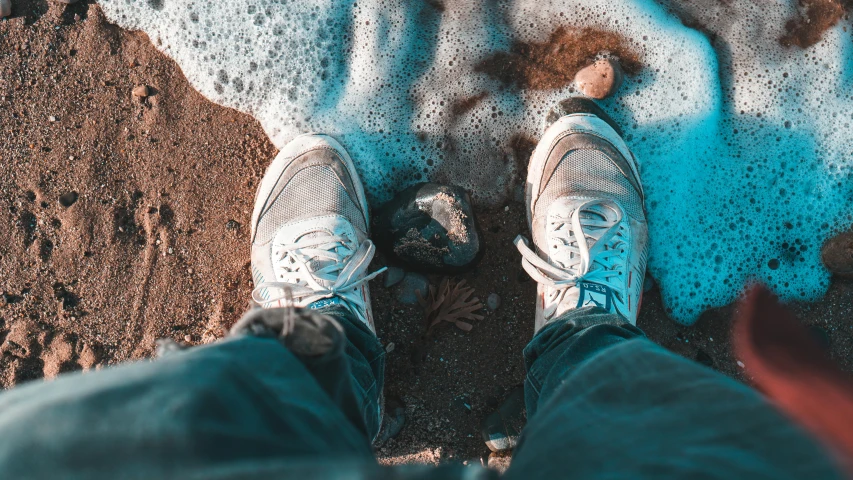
column 605, row 402
column 252, row 404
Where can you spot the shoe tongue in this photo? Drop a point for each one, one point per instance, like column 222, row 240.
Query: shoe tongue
column 590, row 234
column 590, row 214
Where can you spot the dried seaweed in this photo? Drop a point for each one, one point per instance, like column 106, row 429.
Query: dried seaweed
column 450, row 302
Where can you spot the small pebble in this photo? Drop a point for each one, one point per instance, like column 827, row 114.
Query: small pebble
column 393, row 276
column 141, row 91
column 390, row 347
column 188, row 338
column 740, row 364
column 51, row 118
column 412, row 283
column 837, row 254
column 5, row 8
column 232, row 225
column 600, row 79
column 67, row 2
column 67, row 199
column 493, row 301
column 190, row 271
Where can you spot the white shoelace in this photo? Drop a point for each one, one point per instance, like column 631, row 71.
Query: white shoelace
column 341, row 275
column 601, row 264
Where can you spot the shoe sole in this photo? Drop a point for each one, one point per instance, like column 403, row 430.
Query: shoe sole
column 296, row 147
column 588, row 118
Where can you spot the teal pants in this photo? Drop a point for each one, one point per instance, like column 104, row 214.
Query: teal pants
column 603, row 402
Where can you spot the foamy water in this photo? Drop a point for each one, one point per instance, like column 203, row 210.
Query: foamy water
column 743, row 146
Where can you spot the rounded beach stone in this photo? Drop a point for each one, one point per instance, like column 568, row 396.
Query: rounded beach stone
column 5, row 8
column 429, row 228
column 600, row 79
column 493, row 301
column 407, row 290
column 141, row 91
column 393, row 276
column 501, row 430
column 837, row 254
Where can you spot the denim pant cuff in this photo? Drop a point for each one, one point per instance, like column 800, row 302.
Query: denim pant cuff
column 339, row 351
column 566, row 342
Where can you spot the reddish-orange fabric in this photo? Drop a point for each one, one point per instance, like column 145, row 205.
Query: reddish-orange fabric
column 790, row 367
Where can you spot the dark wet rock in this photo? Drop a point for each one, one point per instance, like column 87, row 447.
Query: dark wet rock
column 430, row 228
column 393, row 276
column 67, row 199
column 408, row 288
column 493, row 302
column 232, row 225
column 501, row 429
column 837, row 254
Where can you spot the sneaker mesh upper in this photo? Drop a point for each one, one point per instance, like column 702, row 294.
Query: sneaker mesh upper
column 588, row 170
column 312, row 191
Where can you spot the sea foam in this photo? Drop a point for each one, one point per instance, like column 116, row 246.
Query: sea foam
column 742, row 143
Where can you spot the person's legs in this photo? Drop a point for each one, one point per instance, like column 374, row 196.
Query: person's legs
column 557, row 349
column 255, row 402
column 311, row 249
column 353, row 377
column 602, row 400
column 605, row 402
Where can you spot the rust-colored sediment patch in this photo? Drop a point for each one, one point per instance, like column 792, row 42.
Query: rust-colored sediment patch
column 467, row 104
column 807, row 29
column 554, row 63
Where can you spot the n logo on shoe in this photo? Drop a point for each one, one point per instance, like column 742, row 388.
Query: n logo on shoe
column 594, row 295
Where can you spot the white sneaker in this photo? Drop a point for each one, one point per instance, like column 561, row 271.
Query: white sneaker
column 585, row 210
column 310, row 245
